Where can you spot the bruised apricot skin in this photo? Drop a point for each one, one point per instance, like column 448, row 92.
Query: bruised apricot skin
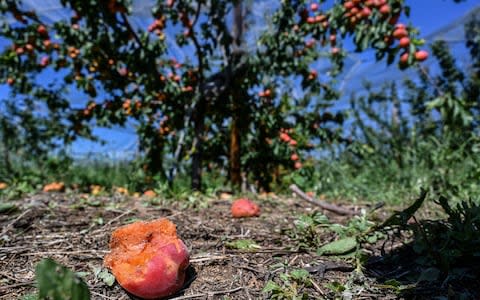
column 244, row 208
column 148, row 259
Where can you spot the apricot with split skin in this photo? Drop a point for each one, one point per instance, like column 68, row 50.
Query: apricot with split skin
column 148, row 259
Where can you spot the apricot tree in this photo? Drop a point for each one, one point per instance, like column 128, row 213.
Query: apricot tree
column 225, row 104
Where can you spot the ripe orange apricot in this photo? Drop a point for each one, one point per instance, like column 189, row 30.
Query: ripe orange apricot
column 44, row 61
column 366, row 12
column 42, row 30
column 400, row 33
column 404, row 42
column 335, row 50
column 285, row 137
column 348, row 5
column 149, row 193
column 54, row 187
column 421, row 55
column 244, row 208
column 385, row 9
column 404, row 58
column 148, row 259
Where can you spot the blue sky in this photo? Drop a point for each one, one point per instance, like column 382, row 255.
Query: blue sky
column 427, row 15
column 431, row 15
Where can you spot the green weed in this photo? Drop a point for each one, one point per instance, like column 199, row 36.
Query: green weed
column 290, row 286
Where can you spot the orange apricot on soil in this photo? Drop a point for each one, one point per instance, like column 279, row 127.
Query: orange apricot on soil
column 121, row 190
column 244, row 208
column 54, row 187
column 148, row 259
column 96, row 189
column 150, row 193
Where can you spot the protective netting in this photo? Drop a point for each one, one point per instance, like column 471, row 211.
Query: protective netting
column 121, row 142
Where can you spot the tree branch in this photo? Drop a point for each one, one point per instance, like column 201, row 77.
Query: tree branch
column 130, row 29
column 326, row 206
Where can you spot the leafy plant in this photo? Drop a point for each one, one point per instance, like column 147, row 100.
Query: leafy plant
column 309, row 228
column 290, row 286
column 306, row 229
column 453, row 242
column 444, row 250
column 56, row 282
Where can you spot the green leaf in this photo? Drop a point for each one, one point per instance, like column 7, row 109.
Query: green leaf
column 30, row 297
column 336, row 287
column 56, row 282
column 393, row 283
column 6, row 208
column 338, row 247
column 270, row 286
column 401, row 218
column 300, row 275
column 106, row 277
column 242, row 245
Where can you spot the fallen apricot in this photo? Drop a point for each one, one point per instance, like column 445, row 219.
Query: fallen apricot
column 3, row 185
column 148, row 259
column 95, row 189
column 54, row 187
column 149, row 194
column 244, row 208
column 121, row 190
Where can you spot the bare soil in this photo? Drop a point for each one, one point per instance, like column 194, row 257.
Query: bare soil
column 75, row 229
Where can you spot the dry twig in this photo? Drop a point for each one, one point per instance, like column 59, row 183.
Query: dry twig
column 326, row 206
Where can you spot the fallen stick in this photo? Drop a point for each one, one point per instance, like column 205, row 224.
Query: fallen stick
column 326, row 206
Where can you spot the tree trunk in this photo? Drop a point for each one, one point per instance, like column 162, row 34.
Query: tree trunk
column 234, row 159
column 197, row 157
column 236, row 97
column 154, row 153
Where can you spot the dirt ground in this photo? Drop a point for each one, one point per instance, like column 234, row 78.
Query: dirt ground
column 75, row 230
